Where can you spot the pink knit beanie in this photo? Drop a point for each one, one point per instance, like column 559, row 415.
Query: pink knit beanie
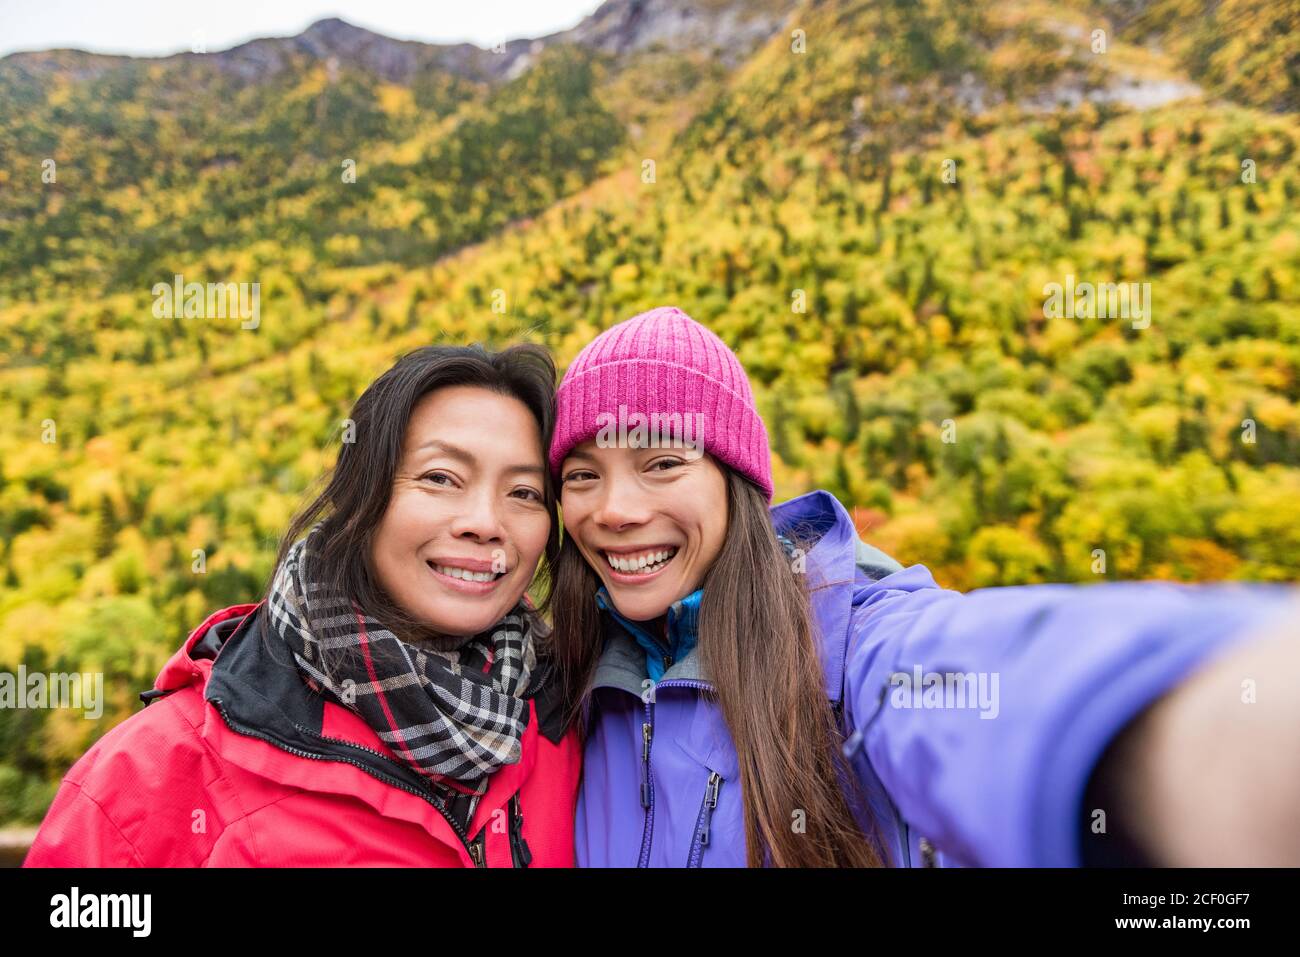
column 655, row 365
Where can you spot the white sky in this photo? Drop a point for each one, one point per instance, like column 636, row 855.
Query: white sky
column 158, row 28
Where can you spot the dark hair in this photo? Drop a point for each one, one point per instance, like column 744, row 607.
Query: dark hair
column 757, row 646
column 360, row 485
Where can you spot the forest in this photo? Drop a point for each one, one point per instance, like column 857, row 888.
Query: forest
column 869, row 207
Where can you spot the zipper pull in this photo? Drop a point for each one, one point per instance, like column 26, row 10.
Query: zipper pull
column 710, row 802
column 476, row 850
column 523, row 855
column 927, row 853
column 852, row 744
column 645, row 763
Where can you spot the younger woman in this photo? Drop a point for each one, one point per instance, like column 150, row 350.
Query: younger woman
column 761, row 687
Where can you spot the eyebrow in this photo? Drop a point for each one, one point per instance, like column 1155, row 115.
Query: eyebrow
column 575, row 454
column 456, row 452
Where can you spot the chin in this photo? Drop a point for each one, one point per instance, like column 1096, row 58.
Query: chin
column 470, row 619
column 457, row 618
column 638, row 607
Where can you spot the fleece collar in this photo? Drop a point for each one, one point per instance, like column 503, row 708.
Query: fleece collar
column 683, row 620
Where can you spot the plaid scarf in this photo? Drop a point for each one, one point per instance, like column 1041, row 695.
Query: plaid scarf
column 455, row 715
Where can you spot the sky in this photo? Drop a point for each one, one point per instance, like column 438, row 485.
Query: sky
column 159, row 28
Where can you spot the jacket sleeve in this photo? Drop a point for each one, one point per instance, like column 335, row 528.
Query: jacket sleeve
column 76, row 832
column 1043, row 677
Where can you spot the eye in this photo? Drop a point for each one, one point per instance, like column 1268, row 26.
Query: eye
column 664, row 464
column 578, row 475
column 438, row 478
column 529, row 494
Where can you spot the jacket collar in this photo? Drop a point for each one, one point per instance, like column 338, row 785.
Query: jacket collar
column 256, row 690
column 259, row 692
column 682, row 627
column 192, row 660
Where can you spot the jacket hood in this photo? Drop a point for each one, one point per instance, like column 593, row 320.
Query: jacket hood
column 191, row 663
column 835, row 565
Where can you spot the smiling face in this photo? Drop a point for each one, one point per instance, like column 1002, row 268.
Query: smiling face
column 649, row 521
column 467, row 522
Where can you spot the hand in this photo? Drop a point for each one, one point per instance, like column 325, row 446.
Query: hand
column 1209, row 775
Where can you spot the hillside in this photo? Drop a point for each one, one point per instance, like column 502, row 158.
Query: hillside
column 870, row 222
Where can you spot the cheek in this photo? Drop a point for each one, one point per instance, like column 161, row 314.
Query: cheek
column 713, row 526
column 529, row 534
column 573, row 516
column 406, row 525
column 572, row 510
column 712, row 529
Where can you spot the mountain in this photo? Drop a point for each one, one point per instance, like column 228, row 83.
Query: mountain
column 618, row 28
column 265, row 121
column 868, row 199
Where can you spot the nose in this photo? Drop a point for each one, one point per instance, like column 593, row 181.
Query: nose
column 620, row 506
column 480, row 519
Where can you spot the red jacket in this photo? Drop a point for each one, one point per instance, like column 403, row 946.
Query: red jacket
column 236, row 762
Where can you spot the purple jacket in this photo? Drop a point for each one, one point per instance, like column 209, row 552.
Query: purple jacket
column 1047, row 674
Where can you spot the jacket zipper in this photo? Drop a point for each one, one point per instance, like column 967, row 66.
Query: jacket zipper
column 472, row 845
column 647, row 785
column 478, row 849
column 520, row 855
column 854, row 743
column 471, row 848
column 701, row 839
column 706, row 809
column 927, row 853
column 647, row 788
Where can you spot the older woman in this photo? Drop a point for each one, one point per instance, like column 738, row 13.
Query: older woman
column 391, row 701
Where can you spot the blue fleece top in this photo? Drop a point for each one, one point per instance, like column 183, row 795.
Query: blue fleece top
column 683, row 631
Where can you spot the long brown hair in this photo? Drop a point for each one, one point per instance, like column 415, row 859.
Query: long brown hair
column 758, row 648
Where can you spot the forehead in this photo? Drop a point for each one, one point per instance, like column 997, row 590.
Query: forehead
column 486, row 423
column 593, row 450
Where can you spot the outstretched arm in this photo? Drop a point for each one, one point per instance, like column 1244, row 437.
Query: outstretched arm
column 1052, row 674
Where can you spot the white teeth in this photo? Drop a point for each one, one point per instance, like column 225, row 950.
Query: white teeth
column 464, row 574
column 640, row 564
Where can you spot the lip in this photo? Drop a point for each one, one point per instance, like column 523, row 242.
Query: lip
column 636, row 578
column 637, row 549
column 460, row 584
column 469, row 564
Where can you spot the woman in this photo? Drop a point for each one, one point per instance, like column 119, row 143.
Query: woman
column 391, row 702
column 764, row 688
